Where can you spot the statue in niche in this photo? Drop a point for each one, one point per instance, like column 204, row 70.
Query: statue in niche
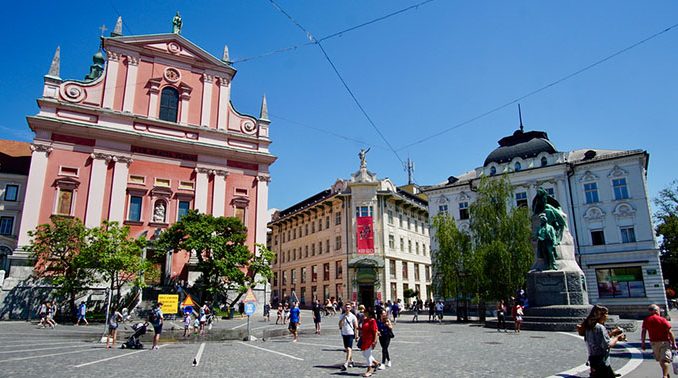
column 363, row 155
column 159, row 212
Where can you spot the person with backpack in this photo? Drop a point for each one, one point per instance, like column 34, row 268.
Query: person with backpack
column 156, row 319
column 348, row 323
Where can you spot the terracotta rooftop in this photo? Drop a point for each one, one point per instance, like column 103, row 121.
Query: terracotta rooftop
column 15, row 157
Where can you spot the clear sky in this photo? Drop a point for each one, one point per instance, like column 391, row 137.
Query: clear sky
column 415, row 74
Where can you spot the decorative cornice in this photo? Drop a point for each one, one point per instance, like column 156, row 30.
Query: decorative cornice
column 123, row 159
column 219, row 172
column 101, row 156
column 206, row 171
column 113, row 56
column 223, row 81
column 132, row 60
column 41, row 148
column 207, row 78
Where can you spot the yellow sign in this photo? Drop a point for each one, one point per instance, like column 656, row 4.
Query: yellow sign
column 188, row 301
column 250, row 296
column 170, row 303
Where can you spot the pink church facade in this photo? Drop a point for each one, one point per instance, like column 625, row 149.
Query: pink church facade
column 150, row 134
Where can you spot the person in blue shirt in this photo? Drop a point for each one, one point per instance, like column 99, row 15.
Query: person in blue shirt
column 295, row 321
column 82, row 311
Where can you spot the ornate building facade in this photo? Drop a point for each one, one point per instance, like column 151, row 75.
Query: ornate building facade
column 362, row 239
column 604, row 195
column 150, row 133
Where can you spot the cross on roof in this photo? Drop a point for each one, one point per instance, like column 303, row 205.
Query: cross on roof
column 103, row 29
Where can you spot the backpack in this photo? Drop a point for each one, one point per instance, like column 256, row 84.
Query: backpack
column 153, row 316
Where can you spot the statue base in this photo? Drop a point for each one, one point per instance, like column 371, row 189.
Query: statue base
column 556, row 287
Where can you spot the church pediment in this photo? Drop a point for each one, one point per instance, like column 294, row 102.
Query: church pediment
column 169, row 45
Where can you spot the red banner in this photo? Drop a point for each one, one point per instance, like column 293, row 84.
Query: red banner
column 365, row 235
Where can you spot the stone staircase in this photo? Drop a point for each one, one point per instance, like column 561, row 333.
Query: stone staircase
column 560, row 318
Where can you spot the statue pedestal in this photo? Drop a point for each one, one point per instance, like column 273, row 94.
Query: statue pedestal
column 556, row 287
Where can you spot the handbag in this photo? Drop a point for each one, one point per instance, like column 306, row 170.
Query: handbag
column 391, row 335
column 360, row 343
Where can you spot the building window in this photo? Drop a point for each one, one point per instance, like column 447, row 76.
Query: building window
column 303, row 296
column 11, row 192
column 240, row 213
column 338, row 271
column 409, row 224
column 423, row 249
column 591, row 191
column 621, row 191
column 169, row 104
column 64, row 201
column 428, row 273
column 463, row 210
column 623, row 282
column 313, row 227
column 293, row 276
column 275, row 279
column 551, row 192
column 327, row 222
column 314, row 273
column 392, row 268
column 6, row 226
column 337, row 219
column 337, row 289
column 544, row 162
column 184, row 206
column 493, row 171
column 313, row 249
column 402, row 245
column 326, row 292
column 442, row 208
column 597, row 237
column 517, row 166
column 416, row 248
column 628, row 235
column 303, row 275
column 409, row 246
column 306, row 229
column 327, row 245
column 337, row 243
column 394, row 291
column 363, row 211
column 320, row 248
column 305, row 252
column 521, row 199
column 320, row 224
column 326, row 272
column 400, row 219
column 390, row 216
column 404, row 270
column 284, row 278
column 416, row 272
column 391, row 241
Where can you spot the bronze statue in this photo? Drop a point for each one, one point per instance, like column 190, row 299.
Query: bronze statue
column 546, row 242
column 545, row 204
column 176, row 24
column 362, row 155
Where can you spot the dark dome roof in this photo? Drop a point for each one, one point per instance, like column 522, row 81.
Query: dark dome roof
column 521, row 144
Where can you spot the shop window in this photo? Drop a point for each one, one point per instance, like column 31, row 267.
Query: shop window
column 626, row 282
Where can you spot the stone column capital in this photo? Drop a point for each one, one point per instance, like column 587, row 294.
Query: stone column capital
column 132, row 60
column 207, row 78
column 264, row 178
column 41, row 148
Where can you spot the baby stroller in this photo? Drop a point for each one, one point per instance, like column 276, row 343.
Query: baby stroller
column 133, row 341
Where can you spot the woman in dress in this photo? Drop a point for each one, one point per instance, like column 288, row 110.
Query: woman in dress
column 517, row 315
column 369, row 332
column 599, row 341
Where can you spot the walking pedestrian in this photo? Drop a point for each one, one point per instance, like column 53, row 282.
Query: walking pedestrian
column 661, row 338
column 42, row 312
column 286, row 313
column 267, row 312
column 348, row 324
column 187, row 324
column 82, row 312
column 360, row 315
column 316, row 316
column 415, row 311
column 431, row 310
column 440, row 306
column 501, row 316
column 48, row 318
column 53, row 312
column 113, row 328
column 295, row 321
column 156, row 319
column 369, row 332
column 385, row 335
column 599, row 341
column 517, row 315
column 279, row 317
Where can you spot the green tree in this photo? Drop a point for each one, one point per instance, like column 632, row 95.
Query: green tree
column 224, row 260
column 117, row 258
column 55, row 250
column 667, row 228
column 452, row 258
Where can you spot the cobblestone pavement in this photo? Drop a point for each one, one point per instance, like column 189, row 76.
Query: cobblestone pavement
column 418, row 350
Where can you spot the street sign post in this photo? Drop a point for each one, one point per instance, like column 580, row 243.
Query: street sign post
column 250, row 307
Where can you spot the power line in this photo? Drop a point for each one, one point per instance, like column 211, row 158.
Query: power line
column 329, row 36
column 541, row 89
column 336, row 71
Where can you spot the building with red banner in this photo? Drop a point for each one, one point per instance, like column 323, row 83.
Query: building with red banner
column 363, row 239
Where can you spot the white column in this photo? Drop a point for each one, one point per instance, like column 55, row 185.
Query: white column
column 95, row 192
column 185, row 96
column 224, row 98
column 262, row 208
column 118, row 192
column 34, row 187
column 130, row 83
column 154, row 92
column 201, row 186
column 205, row 113
column 111, row 79
column 219, row 195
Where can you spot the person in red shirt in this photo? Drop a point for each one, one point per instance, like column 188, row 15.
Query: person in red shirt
column 369, row 332
column 661, row 338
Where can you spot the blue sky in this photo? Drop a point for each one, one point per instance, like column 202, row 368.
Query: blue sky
column 415, row 74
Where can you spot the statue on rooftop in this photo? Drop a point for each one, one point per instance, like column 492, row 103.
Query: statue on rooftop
column 362, row 155
column 176, row 23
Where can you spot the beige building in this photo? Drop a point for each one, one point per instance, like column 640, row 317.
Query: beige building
column 362, row 239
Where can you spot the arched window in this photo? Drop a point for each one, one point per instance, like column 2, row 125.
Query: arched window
column 493, row 171
column 517, row 166
column 169, row 104
column 544, row 162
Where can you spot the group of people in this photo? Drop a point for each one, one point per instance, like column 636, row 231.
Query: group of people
column 367, row 326
column 47, row 313
column 517, row 313
column 198, row 321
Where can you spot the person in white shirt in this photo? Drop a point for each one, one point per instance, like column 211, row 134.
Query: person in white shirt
column 348, row 323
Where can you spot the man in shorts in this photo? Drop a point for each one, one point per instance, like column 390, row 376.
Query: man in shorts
column 295, row 321
column 156, row 321
column 82, row 311
column 661, row 338
column 348, row 323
